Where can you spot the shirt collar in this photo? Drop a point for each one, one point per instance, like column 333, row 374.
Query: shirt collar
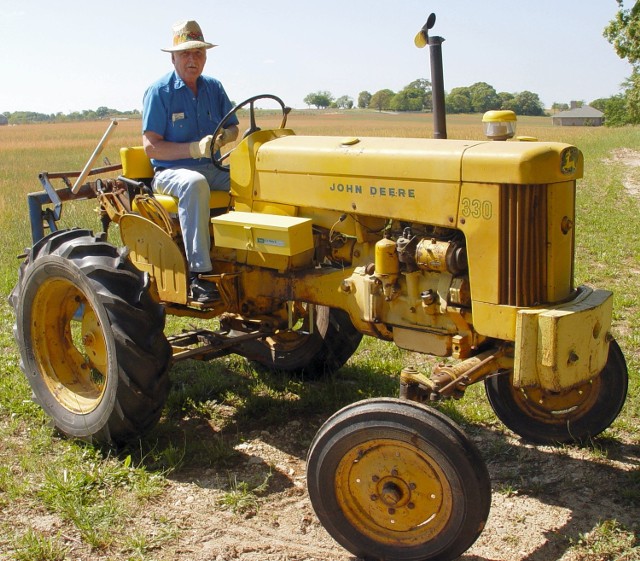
column 179, row 82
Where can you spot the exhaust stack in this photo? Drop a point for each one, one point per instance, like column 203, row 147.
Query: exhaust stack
column 437, row 77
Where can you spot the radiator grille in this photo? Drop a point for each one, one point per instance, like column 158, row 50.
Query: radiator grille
column 523, row 244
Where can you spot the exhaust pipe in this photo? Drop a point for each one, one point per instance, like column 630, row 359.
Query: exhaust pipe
column 421, row 40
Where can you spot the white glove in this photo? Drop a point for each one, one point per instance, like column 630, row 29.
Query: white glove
column 221, row 140
column 201, row 148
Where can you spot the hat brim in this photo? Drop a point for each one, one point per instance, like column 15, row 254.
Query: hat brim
column 189, row 45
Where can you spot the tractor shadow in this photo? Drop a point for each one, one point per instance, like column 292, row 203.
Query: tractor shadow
column 582, row 485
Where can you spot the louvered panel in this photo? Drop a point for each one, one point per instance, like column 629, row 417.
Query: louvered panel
column 523, row 223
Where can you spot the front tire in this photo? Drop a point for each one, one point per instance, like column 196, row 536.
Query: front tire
column 394, row 480
column 575, row 415
column 90, row 338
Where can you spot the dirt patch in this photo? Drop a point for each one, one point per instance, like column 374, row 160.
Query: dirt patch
column 544, row 500
column 631, row 160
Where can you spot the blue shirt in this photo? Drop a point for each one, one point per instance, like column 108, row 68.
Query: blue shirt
column 170, row 109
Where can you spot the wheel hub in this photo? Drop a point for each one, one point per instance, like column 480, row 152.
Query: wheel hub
column 393, row 492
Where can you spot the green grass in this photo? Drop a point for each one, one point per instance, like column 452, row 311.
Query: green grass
column 100, row 497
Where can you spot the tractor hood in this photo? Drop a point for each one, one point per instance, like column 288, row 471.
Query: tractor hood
column 364, row 173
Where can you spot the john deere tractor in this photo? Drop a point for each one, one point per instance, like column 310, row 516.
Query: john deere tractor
column 454, row 248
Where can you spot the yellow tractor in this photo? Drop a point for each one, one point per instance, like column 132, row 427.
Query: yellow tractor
column 453, row 248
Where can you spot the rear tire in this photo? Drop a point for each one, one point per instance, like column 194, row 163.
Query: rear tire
column 393, row 480
column 91, row 338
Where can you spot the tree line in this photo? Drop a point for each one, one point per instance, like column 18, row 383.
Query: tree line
column 418, row 96
column 26, row 117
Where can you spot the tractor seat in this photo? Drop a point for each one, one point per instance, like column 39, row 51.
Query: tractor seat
column 136, row 165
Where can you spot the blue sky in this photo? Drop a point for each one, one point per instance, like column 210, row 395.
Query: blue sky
column 57, row 56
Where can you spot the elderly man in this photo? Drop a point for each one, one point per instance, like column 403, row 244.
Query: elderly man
column 180, row 112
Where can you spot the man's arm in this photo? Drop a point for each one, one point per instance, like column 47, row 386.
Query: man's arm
column 156, row 147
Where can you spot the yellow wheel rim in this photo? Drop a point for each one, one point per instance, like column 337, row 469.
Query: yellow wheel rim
column 553, row 407
column 393, row 492
column 69, row 345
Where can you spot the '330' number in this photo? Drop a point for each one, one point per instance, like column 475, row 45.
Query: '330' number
column 476, row 208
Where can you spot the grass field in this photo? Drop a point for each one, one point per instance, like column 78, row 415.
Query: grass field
column 96, row 493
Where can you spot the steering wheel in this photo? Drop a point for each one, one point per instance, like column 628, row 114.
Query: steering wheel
column 218, row 160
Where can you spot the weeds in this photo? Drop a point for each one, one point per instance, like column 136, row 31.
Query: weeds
column 609, row 541
column 34, row 546
column 242, row 497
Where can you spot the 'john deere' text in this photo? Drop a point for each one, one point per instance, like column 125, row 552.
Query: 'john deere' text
column 374, row 190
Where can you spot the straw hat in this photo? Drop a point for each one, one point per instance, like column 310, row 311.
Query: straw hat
column 187, row 35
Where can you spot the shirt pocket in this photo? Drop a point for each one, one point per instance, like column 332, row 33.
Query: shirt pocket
column 180, row 127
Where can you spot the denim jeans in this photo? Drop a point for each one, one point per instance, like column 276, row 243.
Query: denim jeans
column 192, row 186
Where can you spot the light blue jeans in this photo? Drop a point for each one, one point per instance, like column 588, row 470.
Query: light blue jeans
column 192, row 186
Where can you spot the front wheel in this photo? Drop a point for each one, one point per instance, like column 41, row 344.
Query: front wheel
column 394, row 480
column 574, row 415
column 91, row 338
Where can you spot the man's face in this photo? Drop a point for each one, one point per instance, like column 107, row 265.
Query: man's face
column 189, row 64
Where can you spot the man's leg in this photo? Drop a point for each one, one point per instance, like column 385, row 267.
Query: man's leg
column 218, row 179
column 192, row 191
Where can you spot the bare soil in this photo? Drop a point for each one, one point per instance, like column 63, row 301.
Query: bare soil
column 544, row 499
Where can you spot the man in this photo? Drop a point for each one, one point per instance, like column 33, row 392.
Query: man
column 180, row 112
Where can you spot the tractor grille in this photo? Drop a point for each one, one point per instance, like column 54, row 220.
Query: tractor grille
column 523, row 262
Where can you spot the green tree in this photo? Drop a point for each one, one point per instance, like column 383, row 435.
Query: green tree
column 412, row 97
column 320, row 99
column 623, row 32
column 527, row 103
column 615, row 113
column 506, row 100
column 483, row 97
column 103, row 112
column 344, row 102
column 364, row 98
column 557, row 106
column 458, row 100
column 632, row 97
column 381, row 100
column 423, row 86
column 600, row 104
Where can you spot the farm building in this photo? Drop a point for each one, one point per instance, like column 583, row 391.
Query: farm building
column 585, row 116
column 3, row 119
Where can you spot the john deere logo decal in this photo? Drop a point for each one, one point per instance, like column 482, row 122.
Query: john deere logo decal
column 569, row 160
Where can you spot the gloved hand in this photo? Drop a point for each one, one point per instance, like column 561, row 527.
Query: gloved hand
column 201, row 148
column 221, row 140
